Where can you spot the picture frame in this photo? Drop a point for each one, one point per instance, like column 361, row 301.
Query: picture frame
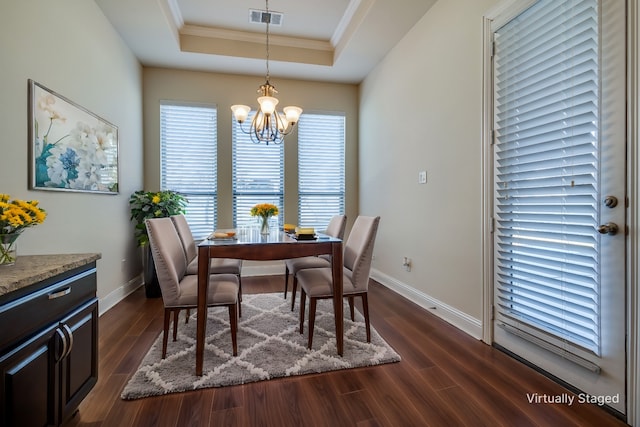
column 70, row 148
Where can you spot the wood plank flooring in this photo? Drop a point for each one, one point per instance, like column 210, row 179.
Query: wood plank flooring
column 446, row 378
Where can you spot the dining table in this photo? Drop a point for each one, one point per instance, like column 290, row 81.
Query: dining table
column 251, row 244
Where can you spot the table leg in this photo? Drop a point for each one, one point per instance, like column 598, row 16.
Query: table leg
column 336, row 257
column 201, row 321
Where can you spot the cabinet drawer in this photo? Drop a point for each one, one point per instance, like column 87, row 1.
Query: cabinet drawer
column 27, row 315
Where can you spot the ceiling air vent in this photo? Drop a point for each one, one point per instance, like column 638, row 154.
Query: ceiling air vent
column 262, row 17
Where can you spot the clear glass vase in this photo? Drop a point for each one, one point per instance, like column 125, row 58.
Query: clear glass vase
column 8, row 248
column 264, row 225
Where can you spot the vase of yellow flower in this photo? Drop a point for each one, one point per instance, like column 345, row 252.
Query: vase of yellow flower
column 264, row 211
column 8, row 248
column 15, row 217
column 149, row 204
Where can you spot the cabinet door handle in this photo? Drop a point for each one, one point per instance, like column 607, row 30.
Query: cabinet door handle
column 63, row 338
column 61, row 293
column 70, row 338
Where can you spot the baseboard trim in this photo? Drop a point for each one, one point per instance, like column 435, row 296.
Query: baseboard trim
column 117, row 295
column 455, row 317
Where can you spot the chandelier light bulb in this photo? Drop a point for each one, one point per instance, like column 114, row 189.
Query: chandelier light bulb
column 268, row 104
column 260, row 121
column 282, row 123
column 292, row 114
column 240, row 112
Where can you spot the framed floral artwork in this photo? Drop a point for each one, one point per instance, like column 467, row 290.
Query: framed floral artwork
column 70, row 148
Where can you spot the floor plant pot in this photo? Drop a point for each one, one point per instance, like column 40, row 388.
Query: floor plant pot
column 151, row 284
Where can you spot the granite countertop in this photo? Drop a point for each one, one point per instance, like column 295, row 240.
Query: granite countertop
column 30, row 269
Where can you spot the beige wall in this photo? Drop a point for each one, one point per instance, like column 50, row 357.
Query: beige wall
column 224, row 90
column 71, row 48
column 430, row 87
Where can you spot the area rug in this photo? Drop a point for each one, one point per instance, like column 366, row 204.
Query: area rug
column 269, row 346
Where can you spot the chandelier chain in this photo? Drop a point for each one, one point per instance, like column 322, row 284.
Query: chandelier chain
column 268, row 22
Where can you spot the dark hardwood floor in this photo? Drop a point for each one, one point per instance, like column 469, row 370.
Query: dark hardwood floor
column 446, row 378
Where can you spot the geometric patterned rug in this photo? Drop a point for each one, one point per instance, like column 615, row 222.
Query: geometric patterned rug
column 269, row 346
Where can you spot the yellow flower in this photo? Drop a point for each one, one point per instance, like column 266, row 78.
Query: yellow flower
column 19, row 214
column 155, row 199
column 264, row 210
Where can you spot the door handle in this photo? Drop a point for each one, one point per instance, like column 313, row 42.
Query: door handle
column 609, row 228
column 69, row 334
column 65, row 344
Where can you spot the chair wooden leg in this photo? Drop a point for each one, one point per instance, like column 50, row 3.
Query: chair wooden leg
column 365, row 308
column 165, row 333
column 239, row 295
column 294, row 288
column 286, row 281
column 312, row 319
column 303, row 302
column 186, row 318
column 175, row 324
column 233, row 320
column 351, row 308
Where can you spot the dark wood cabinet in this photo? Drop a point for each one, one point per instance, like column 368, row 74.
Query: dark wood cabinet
column 48, row 349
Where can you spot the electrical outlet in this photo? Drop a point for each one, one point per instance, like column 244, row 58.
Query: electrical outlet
column 422, row 177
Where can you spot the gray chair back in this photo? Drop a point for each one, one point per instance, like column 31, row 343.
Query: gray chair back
column 186, row 237
column 168, row 257
column 358, row 251
column 336, row 226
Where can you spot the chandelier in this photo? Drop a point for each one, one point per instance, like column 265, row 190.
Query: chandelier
column 268, row 125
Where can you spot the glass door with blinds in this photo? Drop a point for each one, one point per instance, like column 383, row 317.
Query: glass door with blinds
column 559, row 192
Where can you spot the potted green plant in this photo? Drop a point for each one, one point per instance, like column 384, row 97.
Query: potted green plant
column 148, row 204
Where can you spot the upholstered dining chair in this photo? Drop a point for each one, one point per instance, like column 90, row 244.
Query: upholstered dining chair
column 335, row 228
column 179, row 290
column 317, row 283
column 216, row 266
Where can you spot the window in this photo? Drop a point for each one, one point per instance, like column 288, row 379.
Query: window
column 258, row 177
column 321, row 180
column 188, row 161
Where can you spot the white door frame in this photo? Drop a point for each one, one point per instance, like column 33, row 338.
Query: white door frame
column 499, row 12
column 633, row 185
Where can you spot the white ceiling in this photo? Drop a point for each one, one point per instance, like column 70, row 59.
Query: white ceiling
column 328, row 40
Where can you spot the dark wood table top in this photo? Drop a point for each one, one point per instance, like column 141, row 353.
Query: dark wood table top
column 251, row 245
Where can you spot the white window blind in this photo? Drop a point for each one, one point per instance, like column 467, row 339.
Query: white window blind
column 546, row 125
column 258, row 177
column 321, row 180
column 188, row 159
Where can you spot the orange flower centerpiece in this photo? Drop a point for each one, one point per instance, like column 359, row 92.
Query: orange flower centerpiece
column 15, row 216
column 264, row 211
